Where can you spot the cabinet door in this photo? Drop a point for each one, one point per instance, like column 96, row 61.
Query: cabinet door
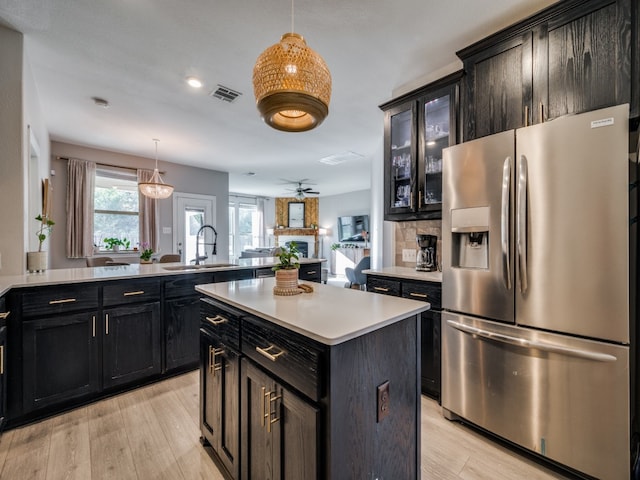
column 220, row 401
column 60, row 359
column 280, row 431
column 438, row 131
column 132, row 342
column 181, row 323
column 430, row 346
column 3, row 375
column 498, row 88
column 588, row 59
column 400, row 158
column 311, row 272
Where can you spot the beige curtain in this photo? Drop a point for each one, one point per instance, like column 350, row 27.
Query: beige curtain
column 81, row 181
column 148, row 214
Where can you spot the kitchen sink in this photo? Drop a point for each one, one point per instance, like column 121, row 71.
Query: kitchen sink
column 180, row 268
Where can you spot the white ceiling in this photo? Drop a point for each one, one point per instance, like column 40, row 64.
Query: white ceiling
column 137, row 53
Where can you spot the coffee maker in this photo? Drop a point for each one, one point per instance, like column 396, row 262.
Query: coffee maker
column 426, row 256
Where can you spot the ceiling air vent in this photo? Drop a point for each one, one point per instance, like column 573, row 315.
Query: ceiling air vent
column 225, row 94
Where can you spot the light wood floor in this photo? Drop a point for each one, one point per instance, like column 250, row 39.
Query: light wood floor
column 152, row 433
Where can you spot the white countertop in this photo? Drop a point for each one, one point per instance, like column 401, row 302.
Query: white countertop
column 407, row 273
column 329, row 315
column 92, row 274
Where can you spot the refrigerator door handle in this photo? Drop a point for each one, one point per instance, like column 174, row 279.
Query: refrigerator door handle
column 524, row 343
column 504, row 222
column 521, row 222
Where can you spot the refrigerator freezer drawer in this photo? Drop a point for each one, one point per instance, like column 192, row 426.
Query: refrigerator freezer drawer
column 561, row 397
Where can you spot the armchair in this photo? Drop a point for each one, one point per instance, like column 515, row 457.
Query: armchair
column 355, row 277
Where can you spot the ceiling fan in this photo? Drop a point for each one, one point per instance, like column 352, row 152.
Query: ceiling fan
column 300, row 191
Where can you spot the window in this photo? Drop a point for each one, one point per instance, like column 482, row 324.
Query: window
column 244, row 225
column 115, row 206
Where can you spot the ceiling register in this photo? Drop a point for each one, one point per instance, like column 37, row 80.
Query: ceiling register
column 292, row 84
column 155, row 187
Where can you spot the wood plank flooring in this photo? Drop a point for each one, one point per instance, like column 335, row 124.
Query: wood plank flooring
column 152, row 433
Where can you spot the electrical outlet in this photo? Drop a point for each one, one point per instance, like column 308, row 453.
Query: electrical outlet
column 383, row 401
column 408, row 255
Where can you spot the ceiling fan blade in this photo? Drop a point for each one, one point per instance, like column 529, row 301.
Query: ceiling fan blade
column 314, row 193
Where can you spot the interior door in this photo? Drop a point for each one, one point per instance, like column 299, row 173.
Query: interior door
column 190, row 212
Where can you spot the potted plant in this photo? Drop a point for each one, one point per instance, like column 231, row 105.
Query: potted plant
column 37, row 261
column 287, row 269
column 145, row 252
column 114, row 243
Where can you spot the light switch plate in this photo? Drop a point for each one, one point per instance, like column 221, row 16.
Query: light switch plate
column 408, row 255
column 166, row 230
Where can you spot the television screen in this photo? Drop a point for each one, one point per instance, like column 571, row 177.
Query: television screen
column 350, row 228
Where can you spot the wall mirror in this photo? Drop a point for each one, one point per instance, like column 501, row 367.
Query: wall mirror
column 296, row 214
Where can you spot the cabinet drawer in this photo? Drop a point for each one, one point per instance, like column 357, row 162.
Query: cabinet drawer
column 231, row 275
column 122, row 292
column 184, row 285
column 383, row 285
column 428, row 292
column 59, row 299
column 220, row 321
column 289, row 356
column 310, row 273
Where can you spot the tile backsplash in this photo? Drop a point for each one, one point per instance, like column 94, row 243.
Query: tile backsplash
column 405, row 233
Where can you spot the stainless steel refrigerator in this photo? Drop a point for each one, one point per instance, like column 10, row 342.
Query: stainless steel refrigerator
column 536, row 289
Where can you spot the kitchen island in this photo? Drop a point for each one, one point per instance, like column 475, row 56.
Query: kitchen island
column 318, row 385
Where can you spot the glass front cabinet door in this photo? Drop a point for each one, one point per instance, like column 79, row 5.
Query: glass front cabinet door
column 418, row 127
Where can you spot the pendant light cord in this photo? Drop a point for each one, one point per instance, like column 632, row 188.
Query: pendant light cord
column 156, row 142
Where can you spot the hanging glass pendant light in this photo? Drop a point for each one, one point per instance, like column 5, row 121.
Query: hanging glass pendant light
column 155, row 187
column 292, row 84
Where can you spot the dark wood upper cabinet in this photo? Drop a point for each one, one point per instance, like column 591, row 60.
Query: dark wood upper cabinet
column 573, row 57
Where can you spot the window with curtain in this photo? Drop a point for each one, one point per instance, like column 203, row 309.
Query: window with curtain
column 116, row 206
column 246, row 225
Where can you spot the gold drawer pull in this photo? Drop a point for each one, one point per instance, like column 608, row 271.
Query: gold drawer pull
column 64, row 300
column 130, row 294
column 381, row 289
column 217, row 320
column 312, row 272
column 4, row 315
column 271, row 356
column 419, row 295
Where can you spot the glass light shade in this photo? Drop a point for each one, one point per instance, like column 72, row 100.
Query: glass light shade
column 292, row 85
column 155, row 187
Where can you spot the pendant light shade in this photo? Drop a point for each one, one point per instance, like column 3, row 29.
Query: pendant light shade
column 155, row 187
column 292, row 85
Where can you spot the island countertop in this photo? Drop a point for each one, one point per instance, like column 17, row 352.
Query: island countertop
column 329, row 315
column 115, row 272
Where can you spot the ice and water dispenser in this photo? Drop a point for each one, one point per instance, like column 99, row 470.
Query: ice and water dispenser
column 470, row 238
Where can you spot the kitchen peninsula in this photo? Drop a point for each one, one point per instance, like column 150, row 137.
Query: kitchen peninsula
column 71, row 336
column 325, row 383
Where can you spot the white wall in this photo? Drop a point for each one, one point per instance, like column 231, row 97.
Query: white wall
column 334, row 206
column 183, row 178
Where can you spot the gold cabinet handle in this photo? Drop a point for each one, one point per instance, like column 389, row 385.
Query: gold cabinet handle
column 267, row 352
column 131, row 294
column 419, row 295
column 273, row 419
column 93, row 327
column 217, row 320
column 263, row 415
column 213, row 366
column 526, row 115
column 312, row 272
column 4, row 315
column 381, row 289
column 64, row 300
column 106, row 317
column 1, row 359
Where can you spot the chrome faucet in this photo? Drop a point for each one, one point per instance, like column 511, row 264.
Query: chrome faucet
column 214, row 251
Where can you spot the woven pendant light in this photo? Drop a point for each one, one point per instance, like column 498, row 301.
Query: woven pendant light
column 292, row 84
column 155, row 187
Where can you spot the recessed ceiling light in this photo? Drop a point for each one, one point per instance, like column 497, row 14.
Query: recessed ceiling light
column 100, row 102
column 194, row 82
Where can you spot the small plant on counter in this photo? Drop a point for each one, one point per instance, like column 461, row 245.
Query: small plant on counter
column 46, row 225
column 288, row 257
column 145, row 251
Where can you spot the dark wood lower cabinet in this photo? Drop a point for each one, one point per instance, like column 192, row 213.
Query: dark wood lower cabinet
column 280, row 430
column 431, row 354
column 60, row 356
column 220, row 400
column 3, row 375
column 132, row 340
column 181, row 323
